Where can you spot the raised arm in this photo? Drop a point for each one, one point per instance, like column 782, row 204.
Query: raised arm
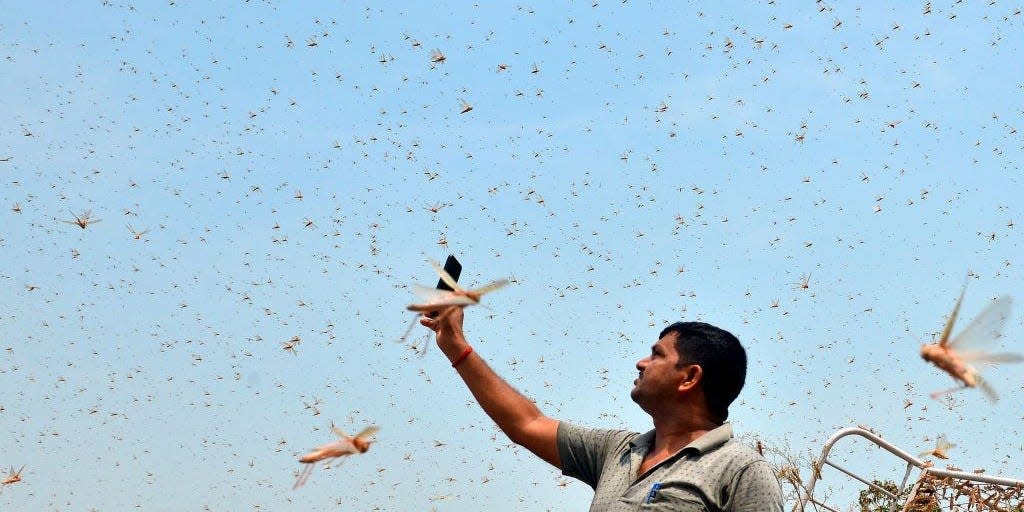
column 517, row 416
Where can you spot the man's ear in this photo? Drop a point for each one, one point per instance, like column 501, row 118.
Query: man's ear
column 692, row 375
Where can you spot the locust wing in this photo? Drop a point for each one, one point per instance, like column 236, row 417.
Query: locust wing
column 434, row 299
column 368, row 431
column 490, row 287
column 444, row 275
column 985, row 358
column 986, row 328
column 337, row 431
column 942, row 445
column 946, row 331
column 985, row 388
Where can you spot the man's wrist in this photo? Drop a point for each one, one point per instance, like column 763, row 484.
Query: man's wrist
column 462, row 356
column 456, row 343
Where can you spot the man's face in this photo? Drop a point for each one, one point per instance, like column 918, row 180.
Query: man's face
column 659, row 378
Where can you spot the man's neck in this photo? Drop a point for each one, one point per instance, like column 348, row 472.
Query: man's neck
column 672, row 435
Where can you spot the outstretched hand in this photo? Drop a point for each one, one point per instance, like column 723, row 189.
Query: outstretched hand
column 448, row 327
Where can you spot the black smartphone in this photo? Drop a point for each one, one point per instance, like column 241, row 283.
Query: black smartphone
column 454, row 269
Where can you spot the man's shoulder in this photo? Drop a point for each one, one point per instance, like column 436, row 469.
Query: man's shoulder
column 720, row 444
column 749, row 480
column 729, row 459
column 741, row 452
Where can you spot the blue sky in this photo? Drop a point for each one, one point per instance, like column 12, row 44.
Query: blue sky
column 665, row 162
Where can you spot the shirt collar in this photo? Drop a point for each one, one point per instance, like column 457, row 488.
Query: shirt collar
column 703, row 444
column 713, row 439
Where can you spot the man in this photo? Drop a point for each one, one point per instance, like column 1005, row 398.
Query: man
column 689, row 462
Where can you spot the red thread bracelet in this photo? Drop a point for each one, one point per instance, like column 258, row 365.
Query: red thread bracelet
column 463, row 356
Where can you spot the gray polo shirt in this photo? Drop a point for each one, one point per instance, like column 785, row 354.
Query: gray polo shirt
column 713, row 473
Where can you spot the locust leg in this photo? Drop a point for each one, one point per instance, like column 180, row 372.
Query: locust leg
column 447, row 311
column 408, row 330
column 303, row 476
column 938, row 394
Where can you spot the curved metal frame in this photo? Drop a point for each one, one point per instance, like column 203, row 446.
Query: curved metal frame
column 807, row 496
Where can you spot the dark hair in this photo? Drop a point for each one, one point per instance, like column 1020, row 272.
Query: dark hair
column 720, row 356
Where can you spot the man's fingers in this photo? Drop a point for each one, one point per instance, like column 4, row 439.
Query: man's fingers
column 456, row 314
column 426, row 321
column 444, row 314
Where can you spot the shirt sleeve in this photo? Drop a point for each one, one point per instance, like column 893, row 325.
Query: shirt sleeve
column 755, row 489
column 583, row 451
